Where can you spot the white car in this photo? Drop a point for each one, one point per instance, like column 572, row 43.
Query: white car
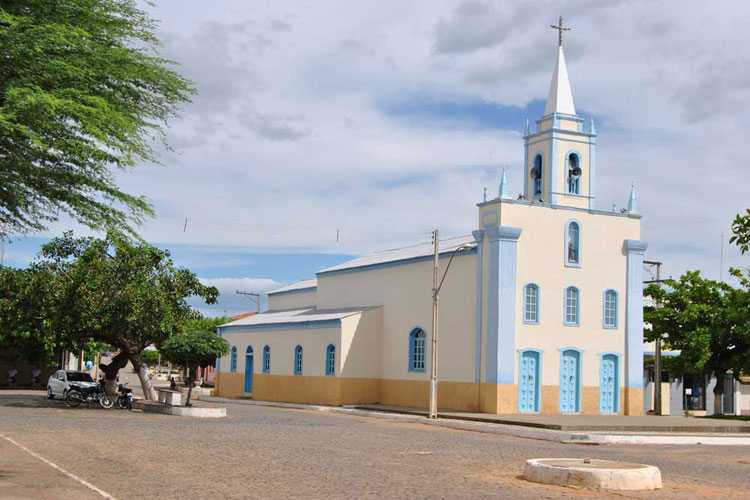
column 59, row 382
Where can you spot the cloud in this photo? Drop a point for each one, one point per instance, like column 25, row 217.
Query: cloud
column 385, row 120
column 274, row 128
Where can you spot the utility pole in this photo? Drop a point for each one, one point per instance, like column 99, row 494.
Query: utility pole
column 435, row 291
column 255, row 297
column 657, row 353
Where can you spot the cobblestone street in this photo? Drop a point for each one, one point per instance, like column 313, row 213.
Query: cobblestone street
column 259, row 452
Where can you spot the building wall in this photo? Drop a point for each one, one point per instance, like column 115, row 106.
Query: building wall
column 297, row 299
column 405, row 293
column 540, row 260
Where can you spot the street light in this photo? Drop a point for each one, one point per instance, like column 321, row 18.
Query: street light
column 435, row 297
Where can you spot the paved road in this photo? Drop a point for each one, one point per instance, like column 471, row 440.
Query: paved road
column 259, row 452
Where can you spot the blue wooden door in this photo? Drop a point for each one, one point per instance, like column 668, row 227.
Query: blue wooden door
column 569, row 381
column 608, row 384
column 528, row 382
column 249, row 369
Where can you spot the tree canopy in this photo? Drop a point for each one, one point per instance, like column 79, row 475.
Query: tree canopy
column 197, row 345
column 82, row 94
column 128, row 295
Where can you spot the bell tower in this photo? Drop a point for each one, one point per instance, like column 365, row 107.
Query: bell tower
column 559, row 157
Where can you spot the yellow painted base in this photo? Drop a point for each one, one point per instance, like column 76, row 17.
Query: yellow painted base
column 461, row 396
column 633, row 401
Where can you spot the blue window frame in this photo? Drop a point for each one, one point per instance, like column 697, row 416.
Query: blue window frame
column 233, row 360
column 531, row 304
column 417, row 350
column 331, row 360
column 610, row 309
column 266, row 359
column 573, row 244
column 574, row 173
column 298, row 360
column 572, row 306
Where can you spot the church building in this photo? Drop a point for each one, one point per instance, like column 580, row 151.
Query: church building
column 542, row 310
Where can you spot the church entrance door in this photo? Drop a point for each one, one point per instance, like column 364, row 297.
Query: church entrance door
column 570, row 371
column 528, row 382
column 608, row 384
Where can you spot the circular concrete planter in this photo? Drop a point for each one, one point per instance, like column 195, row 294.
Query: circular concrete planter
column 593, row 474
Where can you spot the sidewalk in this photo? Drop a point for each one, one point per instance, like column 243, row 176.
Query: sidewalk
column 589, row 423
column 500, row 425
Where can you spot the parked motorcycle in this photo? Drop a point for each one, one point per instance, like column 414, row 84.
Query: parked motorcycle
column 124, row 397
column 78, row 394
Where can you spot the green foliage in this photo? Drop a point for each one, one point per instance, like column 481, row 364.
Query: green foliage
column 741, row 230
column 150, row 357
column 82, row 92
column 199, row 344
column 128, row 295
column 706, row 320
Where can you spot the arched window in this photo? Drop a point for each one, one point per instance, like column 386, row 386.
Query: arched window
column 417, row 350
column 573, row 244
column 331, row 360
column 610, row 309
column 233, row 359
column 531, row 304
column 538, row 175
column 574, row 173
column 298, row 360
column 572, row 306
column 266, row 359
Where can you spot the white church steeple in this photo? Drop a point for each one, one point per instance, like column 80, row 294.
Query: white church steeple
column 560, row 97
column 560, row 157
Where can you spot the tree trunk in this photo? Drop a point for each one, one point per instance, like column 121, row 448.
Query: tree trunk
column 142, row 370
column 718, row 395
column 111, row 370
column 190, row 383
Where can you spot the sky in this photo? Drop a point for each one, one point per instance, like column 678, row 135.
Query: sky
column 379, row 121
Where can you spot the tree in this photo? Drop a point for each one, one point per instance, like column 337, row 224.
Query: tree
column 150, row 356
column 82, row 93
column 198, row 345
column 707, row 321
column 128, row 295
column 741, row 230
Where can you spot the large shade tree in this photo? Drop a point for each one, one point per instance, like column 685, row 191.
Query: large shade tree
column 127, row 294
column 83, row 93
column 707, row 321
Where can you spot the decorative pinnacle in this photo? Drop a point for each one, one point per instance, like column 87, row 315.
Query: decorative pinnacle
column 503, row 191
column 592, row 129
column 526, row 132
column 560, row 30
column 484, row 196
column 632, row 202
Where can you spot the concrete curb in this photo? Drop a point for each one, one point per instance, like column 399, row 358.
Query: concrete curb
column 502, row 429
column 182, row 411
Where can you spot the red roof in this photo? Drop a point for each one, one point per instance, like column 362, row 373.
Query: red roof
column 240, row 316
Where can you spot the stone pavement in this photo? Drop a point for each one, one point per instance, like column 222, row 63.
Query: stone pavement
column 23, row 476
column 589, row 423
column 280, row 453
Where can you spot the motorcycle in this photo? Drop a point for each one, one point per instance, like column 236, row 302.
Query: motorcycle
column 124, row 397
column 78, row 394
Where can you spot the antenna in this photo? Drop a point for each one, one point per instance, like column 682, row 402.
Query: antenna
column 255, row 297
column 721, row 258
column 184, row 228
column 337, row 235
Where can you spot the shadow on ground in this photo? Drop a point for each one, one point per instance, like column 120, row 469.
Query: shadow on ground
column 33, row 399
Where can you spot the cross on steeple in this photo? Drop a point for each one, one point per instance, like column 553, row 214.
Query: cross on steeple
column 560, row 30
